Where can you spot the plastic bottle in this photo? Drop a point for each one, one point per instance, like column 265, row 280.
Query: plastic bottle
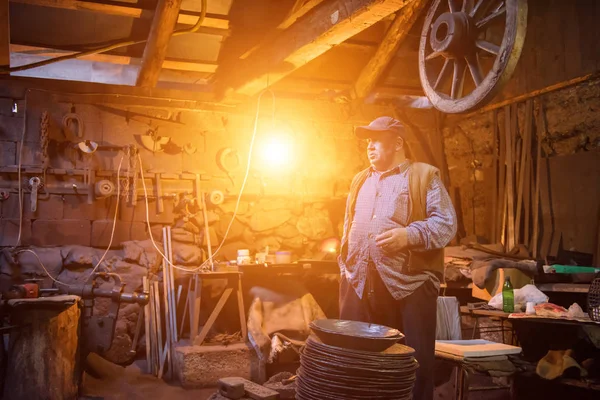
column 508, row 296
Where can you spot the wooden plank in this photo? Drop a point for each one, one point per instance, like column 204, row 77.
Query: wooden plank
column 501, row 187
column 299, row 11
column 185, row 18
column 146, row 289
column 161, row 355
column 159, row 38
column 527, row 197
column 322, row 28
column 242, row 309
column 195, row 303
column 114, row 59
column 541, row 132
column 495, row 180
column 398, row 31
column 4, row 34
column 525, row 149
column 213, row 316
column 510, row 240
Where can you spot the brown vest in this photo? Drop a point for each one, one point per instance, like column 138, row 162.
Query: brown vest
column 419, row 177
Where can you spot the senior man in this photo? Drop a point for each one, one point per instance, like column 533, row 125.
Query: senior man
column 398, row 219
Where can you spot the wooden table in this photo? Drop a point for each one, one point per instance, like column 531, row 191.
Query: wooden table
column 234, row 284
column 497, row 315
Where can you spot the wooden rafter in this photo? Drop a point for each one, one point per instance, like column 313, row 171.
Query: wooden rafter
column 301, row 7
column 395, row 35
column 159, row 38
column 114, row 59
column 4, row 34
column 184, row 18
column 323, row 27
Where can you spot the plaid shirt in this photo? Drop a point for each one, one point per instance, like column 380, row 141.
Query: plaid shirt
column 383, row 204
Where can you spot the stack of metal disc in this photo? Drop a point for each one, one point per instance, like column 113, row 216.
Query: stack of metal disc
column 335, row 373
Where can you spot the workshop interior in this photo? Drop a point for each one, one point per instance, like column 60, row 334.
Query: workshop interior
column 183, row 213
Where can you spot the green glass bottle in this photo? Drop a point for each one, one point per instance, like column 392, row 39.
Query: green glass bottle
column 508, row 296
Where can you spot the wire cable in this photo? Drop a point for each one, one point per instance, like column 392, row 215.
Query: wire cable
column 19, row 170
column 192, row 269
column 209, row 261
column 105, row 252
column 112, row 233
column 43, row 266
column 126, row 43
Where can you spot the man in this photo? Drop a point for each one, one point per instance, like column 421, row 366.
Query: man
column 398, row 219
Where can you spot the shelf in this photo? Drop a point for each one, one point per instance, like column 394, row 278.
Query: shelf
column 564, row 287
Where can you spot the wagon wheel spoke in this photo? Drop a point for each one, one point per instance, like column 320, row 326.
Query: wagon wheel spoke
column 481, row 8
column 488, row 47
column 433, row 55
column 475, row 68
column 452, row 5
column 458, row 78
column 443, row 74
column 468, row 50
column 467, row 6
column 485, row 21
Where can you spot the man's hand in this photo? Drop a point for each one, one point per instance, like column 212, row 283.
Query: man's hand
column 393, row 240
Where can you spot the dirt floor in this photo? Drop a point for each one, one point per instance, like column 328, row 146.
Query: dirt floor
column 132, row 383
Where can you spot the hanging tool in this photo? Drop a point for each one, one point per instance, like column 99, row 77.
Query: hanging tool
column 134, row 183
column 160, row 205
column 35, row 184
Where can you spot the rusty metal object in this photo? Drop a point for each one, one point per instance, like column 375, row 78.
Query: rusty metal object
column 469, row 50
column 35, row 184
column 98, row 330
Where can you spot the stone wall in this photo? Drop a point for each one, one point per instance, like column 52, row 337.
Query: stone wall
column 573, row 126
column 285, row 209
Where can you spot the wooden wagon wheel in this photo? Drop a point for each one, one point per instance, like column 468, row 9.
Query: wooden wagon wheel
column 483, row 37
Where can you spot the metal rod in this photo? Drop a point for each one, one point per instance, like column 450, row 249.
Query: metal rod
column 165, row 282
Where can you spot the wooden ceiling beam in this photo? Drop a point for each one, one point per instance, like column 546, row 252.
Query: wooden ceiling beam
column 321, row 28
column 4, row 34
column 163, row 25
column 300, row 8
column 114, row 59
column 395, row 35
column 184, row 18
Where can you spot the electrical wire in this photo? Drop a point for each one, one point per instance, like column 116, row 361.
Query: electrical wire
column 126, row 43
column 209, row 261
column 150, row 227
column 43, row 266
column 112, row 233
column 19, row 170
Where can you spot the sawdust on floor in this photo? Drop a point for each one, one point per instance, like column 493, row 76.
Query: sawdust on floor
column 133, row 383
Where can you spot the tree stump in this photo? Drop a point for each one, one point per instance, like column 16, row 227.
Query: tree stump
column 43, row 357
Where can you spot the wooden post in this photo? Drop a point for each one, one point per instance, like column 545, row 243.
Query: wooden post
column 395, row 35
column 495, row 181
column 4, row 34
column 161, row 30
column 510, row 241
column 44, row 360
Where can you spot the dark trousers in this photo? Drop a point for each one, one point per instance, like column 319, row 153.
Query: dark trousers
column 414, row 316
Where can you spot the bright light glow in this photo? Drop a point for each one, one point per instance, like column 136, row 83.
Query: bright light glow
column 276, row 152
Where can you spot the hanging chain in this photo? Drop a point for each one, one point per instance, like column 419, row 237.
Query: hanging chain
column 125, row 181
column 135, row 176
column 44, row 132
